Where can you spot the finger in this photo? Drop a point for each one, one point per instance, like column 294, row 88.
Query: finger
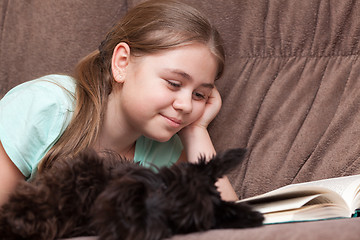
column 215, row 96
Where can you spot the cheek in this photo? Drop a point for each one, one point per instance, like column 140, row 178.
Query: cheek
column 152, row 100
column 158, row 98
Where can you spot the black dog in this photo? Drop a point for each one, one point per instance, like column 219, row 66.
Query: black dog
column 116, row 199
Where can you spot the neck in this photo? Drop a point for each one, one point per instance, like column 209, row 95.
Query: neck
column 115, row 133
column 125, row 150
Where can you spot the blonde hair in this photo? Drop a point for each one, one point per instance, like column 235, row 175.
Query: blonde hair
column 150, row 27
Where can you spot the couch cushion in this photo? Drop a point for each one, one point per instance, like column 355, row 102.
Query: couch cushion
column 346, row 229
column 290, row 90
column 41, row 37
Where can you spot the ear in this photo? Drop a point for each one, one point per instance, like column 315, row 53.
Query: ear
column 117, row 210
column 222, row 163
column 236, row 215
column 119, row 62
column 129, row 209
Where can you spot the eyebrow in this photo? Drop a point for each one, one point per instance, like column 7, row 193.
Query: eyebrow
column 187, row 76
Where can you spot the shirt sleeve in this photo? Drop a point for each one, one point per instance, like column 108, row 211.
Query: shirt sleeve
column 152, row 153
column 32, row 118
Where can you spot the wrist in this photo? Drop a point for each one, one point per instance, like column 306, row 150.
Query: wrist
column 196, row 142
column 193, row 132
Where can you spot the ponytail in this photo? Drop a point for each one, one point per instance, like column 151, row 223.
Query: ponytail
column 92, row 88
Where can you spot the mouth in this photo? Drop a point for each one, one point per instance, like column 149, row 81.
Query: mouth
column 174, row 122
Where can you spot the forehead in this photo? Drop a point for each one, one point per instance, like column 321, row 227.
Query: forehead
column 185, row 76
column 193, row 61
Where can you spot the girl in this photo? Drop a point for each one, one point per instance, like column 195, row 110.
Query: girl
column 147, row 93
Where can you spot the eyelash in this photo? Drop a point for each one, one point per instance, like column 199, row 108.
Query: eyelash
column 198, row 96
column 173, row 84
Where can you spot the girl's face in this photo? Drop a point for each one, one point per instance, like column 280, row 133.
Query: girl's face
column 164, row 92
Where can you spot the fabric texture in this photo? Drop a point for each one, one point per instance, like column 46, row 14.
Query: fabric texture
column 150, row 153
column 290, row 89
column 39, row 37
column 346, row 229
column 34, row 115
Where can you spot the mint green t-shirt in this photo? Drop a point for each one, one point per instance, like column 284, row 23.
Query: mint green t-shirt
column 35, row 114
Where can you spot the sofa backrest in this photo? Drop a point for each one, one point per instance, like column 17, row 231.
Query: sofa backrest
column 291, row 93
column 290, row 90
column 41, row 37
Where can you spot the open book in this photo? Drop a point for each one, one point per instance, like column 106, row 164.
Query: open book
column 323, row 199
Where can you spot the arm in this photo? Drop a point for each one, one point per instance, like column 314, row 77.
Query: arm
column 9, row 175
column 196, row 141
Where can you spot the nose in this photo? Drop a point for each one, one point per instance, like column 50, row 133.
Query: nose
column 183, row 102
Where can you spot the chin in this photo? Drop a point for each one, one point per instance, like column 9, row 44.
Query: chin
column 160, row 138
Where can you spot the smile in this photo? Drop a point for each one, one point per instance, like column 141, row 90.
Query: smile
column 174, row 122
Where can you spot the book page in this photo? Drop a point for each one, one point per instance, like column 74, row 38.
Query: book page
column 344, row 187
column 339, row 185
column 347, row 187
column 285, row 199
column 282, row 205
column 308, row 213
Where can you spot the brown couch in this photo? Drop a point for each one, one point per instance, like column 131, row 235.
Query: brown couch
column 291, row 90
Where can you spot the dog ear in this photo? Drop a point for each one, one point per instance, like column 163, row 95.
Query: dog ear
column 222, row 163
column 191, row 194
column 236, row 215
column 126, row 210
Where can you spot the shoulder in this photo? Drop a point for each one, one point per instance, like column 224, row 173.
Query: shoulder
column 45, row 96
column 149, row 152
column 33, row 116
column 59, row 87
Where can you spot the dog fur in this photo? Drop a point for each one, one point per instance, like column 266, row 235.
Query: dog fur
column 114, row 198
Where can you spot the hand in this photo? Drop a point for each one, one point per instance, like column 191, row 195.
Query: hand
column 197, row 131
column 196, row 140
column 212, row 108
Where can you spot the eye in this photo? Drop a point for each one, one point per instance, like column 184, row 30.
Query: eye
column 173, row 83
column 199, row 96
